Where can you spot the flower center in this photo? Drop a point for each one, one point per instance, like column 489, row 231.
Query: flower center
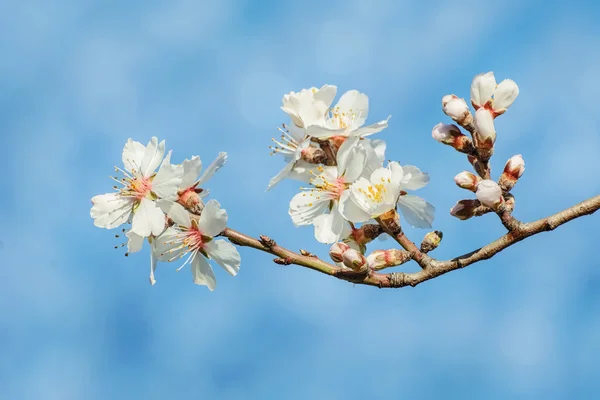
column 194, row 239
column 343, row 120
column 375, row 192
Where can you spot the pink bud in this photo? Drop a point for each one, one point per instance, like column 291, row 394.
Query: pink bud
column 380, row 259
column 467, row 180
column 513, row 170
column 445, row 133
column 355, row 260
column 489, row 194
column 337, row 250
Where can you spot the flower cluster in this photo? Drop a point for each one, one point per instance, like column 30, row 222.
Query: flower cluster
column 329, row 148
column 489, row 100
column 167, row 208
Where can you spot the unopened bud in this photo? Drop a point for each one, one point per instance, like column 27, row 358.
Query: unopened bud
column 457, row 109
column 451, row 135
column 314, row 155
column 191, row 201
column 513, row 170
column 337, row 250
column 354, row 260
column 467, row 180
column 380, row 259
column 431, row 241
column 489, row 194
column 485, row 133
column 465, row 209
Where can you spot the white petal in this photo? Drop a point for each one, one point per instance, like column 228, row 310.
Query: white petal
column 166, row 246
column 505, row 94
column 304, row 208
column 167, row 159
column 350, row 210
column 153, row 261
column 176, row 212
column 354, row 102
column 482, row 89
column 152, row 156
column 302, row 171
column 134, row 242
column 167, row 181
column 351, row 159
column 133, row 153
column 371, row 129
column 212, row 168
column 484, row 126
column 329, row 227
column 285, row 171
column 191, row 172
column 417, row 180
column 202, row 273
column 148, row 219
column 213, row 219
column 325, row 95
column 110, row 210
column 416, row 211
column 322, row 132
column 225, row 254
column 379, row 146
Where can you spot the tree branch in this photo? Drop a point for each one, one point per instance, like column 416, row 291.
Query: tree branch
column 431, row 268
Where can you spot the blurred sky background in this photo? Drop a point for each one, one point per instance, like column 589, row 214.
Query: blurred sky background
column 78, row 320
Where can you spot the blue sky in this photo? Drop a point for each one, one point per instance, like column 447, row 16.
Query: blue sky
column 80, row 321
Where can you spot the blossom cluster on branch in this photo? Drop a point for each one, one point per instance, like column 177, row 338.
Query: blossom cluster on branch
column 349, row 194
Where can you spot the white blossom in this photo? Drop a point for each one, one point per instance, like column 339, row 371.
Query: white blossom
column 496, row 98
column 194, row 239
column 141, row 188
column 386, row 189
column 347, row 118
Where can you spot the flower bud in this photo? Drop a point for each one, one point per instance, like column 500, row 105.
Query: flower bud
column 457, row 109
column 467, row 180
column 485, row 133
column 465, row 209
column 489, row 194
column 354, row 260
column 513, row 170
column 191, row 201
column 314, row 155
column 431, row 241
column 337, row 250
column 451, row 135
column 380, row 259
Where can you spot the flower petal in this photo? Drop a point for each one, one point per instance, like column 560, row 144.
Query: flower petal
column 322, row 132
column 350, row 210
column 212, row 168
column 371, row 129
column 351, row 159
column 329, row 227
column 168, row 246
column 225, row 254
column 202, row 272
column 213, row 219
column 176, row 212
column 505, row 94
column 134, row 242
column 304, row 208
column 167, row 181
column 153, row 156
column 285, row 171
column 191, row 172
column 416, row 211
column 153, row 260
column 354, row 103
column 148, row 219
column 132, row 156
column 110, row 210
column 484, row 126
column 417, row 179
column 482, row 89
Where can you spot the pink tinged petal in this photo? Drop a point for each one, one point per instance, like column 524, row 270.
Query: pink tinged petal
column 152, row 156
column 212, row 168
column 482, row 89
column 416, row 211
column 167, row 181
column 350, row 210
column 213, row 219
column 148, row 219
column 202, row 273
column 354, row 102
column 176, row 212
column 417, row 180
column 134, row 242
column 305, row 208
column 191, row 172
column 484, row 127
column 225, row 254
column 329, row 227
column 505, row 95
column 371, row 129
column 110, row 210
column 285, row 171
column 133, row 153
